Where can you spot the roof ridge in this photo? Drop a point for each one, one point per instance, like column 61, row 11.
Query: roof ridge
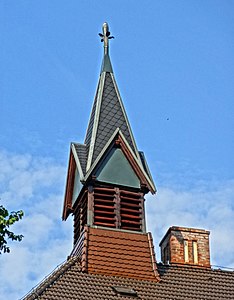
column 194, row 267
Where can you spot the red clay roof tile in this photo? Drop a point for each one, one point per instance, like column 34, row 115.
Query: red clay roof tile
column 120, row 253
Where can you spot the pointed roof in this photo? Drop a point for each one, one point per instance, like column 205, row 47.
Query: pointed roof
column 108, row 112
column 108, row 116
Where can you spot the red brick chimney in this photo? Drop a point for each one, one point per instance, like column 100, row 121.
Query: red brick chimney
column 186, row 246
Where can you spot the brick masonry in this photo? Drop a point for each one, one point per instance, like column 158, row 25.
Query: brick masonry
column 173, row 246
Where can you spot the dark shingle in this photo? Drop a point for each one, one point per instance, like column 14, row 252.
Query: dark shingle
column 176, row 283
column 91, row 121
column 81, row 151
column 111, row 117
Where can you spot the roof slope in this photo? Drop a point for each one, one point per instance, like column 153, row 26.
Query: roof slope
column 111, row 117
column 177, row 282
column 81, row 151
column 107, row 115
column 91, row 120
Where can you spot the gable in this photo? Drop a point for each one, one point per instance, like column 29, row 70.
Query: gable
column 116, row 169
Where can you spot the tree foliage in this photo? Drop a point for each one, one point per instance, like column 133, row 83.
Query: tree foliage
column 6, row 220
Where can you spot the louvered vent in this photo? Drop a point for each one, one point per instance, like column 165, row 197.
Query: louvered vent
column 104, row 207
column 80, row 216
column 131, row 210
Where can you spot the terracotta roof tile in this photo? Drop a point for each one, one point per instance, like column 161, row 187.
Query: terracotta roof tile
column 121, row 253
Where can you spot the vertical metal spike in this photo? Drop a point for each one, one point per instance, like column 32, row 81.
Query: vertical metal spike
column 105, row 29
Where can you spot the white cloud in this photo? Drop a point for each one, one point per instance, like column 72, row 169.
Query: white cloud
column 22, row 175
column 209, row 206
column 35, row 185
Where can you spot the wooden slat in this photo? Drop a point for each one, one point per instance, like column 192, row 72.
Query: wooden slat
column 130, row 199
column 130, row 205
column 108, row 201
column 138, row 210
column 105, row 201
column 130, row 193
column 105, row 212
column 104, row 195
column 104, row 224
column 131, row 222
column 103, row 206
column 124, row 216
column 104, row 218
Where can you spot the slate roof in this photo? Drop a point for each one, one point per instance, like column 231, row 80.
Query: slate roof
column 81, row 151
column 107, row 115
column 177, row 282
column 91, row 120
column 111, row 116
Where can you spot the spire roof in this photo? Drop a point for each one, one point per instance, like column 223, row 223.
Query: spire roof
column 108, row 127
column 108, row 112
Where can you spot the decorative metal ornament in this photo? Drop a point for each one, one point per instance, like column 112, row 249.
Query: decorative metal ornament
column 105, row 37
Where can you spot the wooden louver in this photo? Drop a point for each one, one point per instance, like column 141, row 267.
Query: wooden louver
column 80, row 216
column 131, row 208
column 118, row 208
column 104, row 207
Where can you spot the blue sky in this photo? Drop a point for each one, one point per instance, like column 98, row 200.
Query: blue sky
column 174, row 65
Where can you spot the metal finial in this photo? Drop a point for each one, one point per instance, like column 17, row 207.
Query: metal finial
column 105, row 37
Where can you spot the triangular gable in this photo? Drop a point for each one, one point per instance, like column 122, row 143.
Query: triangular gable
column 118, row 138
column 116, row 169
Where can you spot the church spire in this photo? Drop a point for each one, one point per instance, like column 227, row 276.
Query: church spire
column 108, row 113
column 108, row 159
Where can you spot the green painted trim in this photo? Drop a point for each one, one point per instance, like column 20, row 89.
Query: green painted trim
column 106, row 64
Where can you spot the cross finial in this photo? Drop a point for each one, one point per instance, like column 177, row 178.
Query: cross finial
column 105, row 37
